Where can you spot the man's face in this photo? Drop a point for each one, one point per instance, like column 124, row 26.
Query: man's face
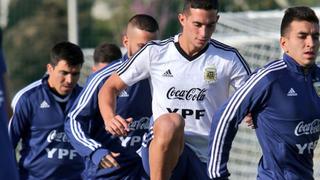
column 198, row 26
column 301, row 42
column 136, row 38
column 62, row 77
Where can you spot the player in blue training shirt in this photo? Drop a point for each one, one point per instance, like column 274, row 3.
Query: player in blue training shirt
column 283, row 98
column 108, row 156
column 104, row 54
column 8, row 168
column 38, row 118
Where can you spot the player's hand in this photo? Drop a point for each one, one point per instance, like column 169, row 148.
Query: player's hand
column 109, row 161
column 118, row 126
column 249, row 121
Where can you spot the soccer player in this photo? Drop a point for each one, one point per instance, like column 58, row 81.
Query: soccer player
column 39, row 114
column 104, row 54
column 107, row 156
column 190, row 77
column 8, row 168
column 283, row 98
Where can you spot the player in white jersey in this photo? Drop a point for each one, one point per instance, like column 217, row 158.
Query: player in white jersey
column 190, row 77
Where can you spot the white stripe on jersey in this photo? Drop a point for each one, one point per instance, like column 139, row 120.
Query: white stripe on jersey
column 229, row 48
column 229, row 112
column 22, row 91
column 83, row 101
column 18, row 96
column 188, row 78
column 125, row 65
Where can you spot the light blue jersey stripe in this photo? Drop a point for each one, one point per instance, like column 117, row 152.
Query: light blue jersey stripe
column 83, row 101
column 229, row 112
column 22, row 91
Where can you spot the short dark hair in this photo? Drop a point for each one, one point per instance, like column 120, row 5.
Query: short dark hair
column 144, row 22
column 200, row 4
column 67, row 51
column 106, row 53
column 298, row 13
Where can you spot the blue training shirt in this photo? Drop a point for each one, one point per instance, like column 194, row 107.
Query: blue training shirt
column 284, row 102
column 85, row 126
column 8, row 168
column 38, row 120
column 3, row 70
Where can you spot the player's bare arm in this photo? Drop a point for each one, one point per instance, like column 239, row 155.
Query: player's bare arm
column 114, row 124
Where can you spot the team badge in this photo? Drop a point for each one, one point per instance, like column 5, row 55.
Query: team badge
column 316, row 86
column 210, row 74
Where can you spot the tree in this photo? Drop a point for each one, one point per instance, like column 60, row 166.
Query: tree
column 28, row 43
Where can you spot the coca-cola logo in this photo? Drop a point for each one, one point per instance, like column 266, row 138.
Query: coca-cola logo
column 193, row 94
column 54, row 135
column 142, row 124
column 307, row 128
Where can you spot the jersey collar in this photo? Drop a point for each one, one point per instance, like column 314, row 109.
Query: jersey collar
column 184, row 54
column 295, row 67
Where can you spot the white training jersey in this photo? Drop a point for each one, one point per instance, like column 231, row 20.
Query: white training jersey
column 193, row 86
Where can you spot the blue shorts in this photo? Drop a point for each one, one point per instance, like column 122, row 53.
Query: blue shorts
column 128, row 170
column 189, row 166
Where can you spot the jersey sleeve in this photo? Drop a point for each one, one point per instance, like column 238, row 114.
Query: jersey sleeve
column 84, row 110
column 20, row 120
column 240, row 71
column 248, row 98
column 136, row 68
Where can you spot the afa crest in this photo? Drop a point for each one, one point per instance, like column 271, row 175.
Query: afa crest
column 316, row 86
column 210, row 74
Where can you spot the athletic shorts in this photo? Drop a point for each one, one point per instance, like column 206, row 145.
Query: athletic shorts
column 189, row 166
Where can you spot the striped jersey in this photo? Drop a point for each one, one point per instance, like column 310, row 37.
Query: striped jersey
column 85, row 126
column 191, row 86
column 284, row 102
column 38, row 120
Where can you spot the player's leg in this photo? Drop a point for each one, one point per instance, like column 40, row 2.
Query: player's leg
column 166, row 146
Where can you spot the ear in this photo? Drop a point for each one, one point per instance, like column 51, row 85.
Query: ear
column 125, row 41
column 218, row 17
column 182, row 18
column 49, row 68
column 93, row 68
column 283, row 43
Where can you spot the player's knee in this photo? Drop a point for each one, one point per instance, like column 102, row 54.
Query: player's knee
column 169, row 127
column 169, row 123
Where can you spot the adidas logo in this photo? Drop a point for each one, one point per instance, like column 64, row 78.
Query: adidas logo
column 167, row 73
column 123, row 94
column 44, row 104
column 292, row 92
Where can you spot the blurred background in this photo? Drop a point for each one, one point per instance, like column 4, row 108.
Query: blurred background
column 31, row 27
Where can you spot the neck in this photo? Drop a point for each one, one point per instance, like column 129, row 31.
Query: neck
column 189, row 49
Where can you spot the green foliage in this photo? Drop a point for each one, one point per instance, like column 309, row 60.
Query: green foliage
column 28, row 42
column 36, row 25
column 23, row 10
